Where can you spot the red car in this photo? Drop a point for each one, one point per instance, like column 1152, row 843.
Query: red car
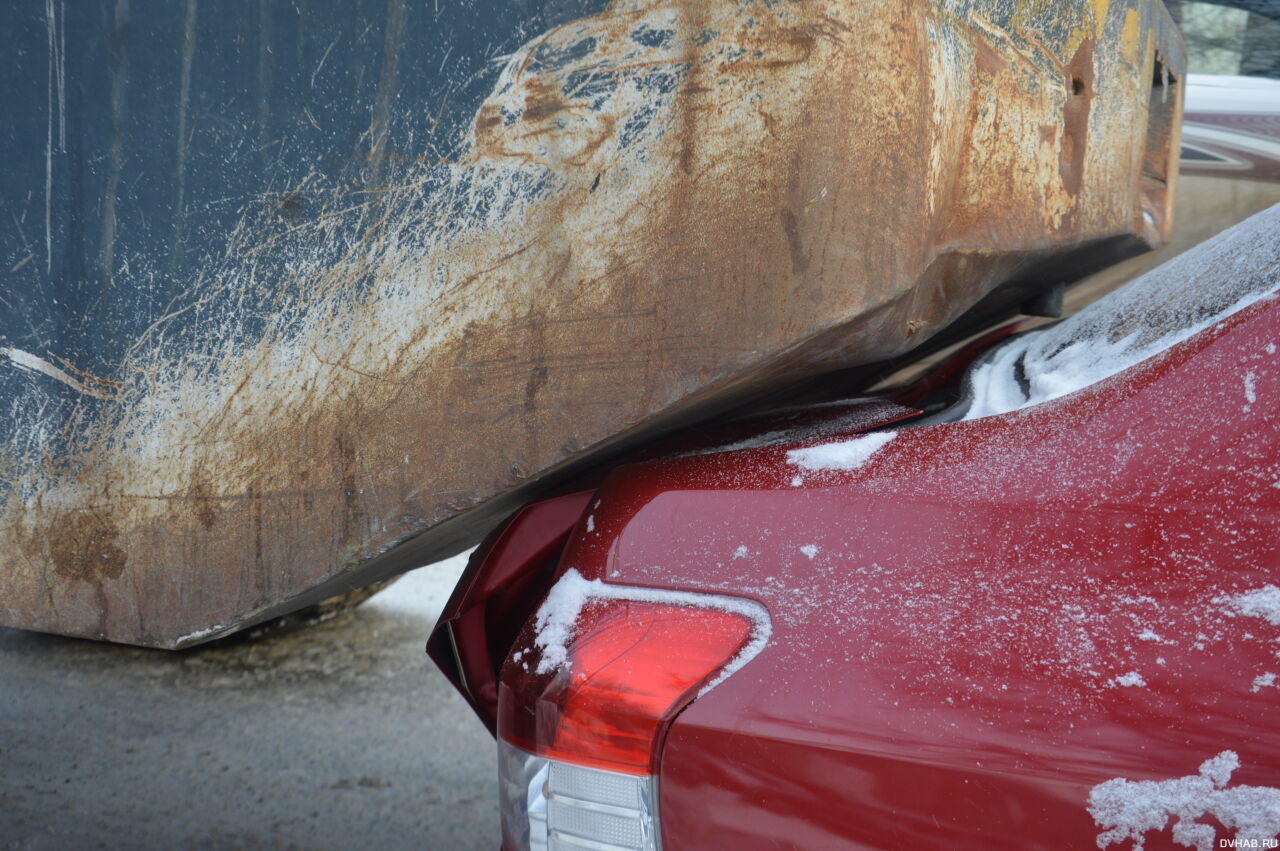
column 1030, row 601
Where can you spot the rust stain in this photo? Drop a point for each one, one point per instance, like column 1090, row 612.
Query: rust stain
column 1075, row 117
column 799, row 262
column 202, row 506
column 603, row 255
column 986, row 58
column 87, row 549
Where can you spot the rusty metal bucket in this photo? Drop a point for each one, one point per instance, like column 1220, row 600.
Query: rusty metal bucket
column 300, row 300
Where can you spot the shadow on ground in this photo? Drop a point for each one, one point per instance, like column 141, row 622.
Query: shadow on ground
column 342, row 735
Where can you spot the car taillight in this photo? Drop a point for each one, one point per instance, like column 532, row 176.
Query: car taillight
column 586, row 695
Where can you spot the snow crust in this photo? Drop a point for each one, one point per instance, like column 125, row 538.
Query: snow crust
column 1127, row 809
column 1131, row 679
column 842, row 455
column 557, row 618
column 1190, row 293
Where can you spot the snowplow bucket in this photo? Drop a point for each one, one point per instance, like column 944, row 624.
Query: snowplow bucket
column 301, row 298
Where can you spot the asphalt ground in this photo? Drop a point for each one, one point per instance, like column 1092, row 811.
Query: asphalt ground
column 339, row 736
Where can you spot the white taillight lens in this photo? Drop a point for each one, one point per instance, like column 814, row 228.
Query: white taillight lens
column 552, row 805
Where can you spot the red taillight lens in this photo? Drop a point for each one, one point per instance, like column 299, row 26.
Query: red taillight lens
column 585, row 695
column 630, row 665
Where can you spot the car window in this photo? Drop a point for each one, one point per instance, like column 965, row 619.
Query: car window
column 1238, row 38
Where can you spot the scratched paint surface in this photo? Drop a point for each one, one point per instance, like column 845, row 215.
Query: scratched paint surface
column 283, row 322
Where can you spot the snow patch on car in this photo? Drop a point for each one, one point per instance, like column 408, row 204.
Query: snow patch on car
column 1260, row 603
column 1129, row 809
column 842, row 455
column 557, row 618
column 1192, row 292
